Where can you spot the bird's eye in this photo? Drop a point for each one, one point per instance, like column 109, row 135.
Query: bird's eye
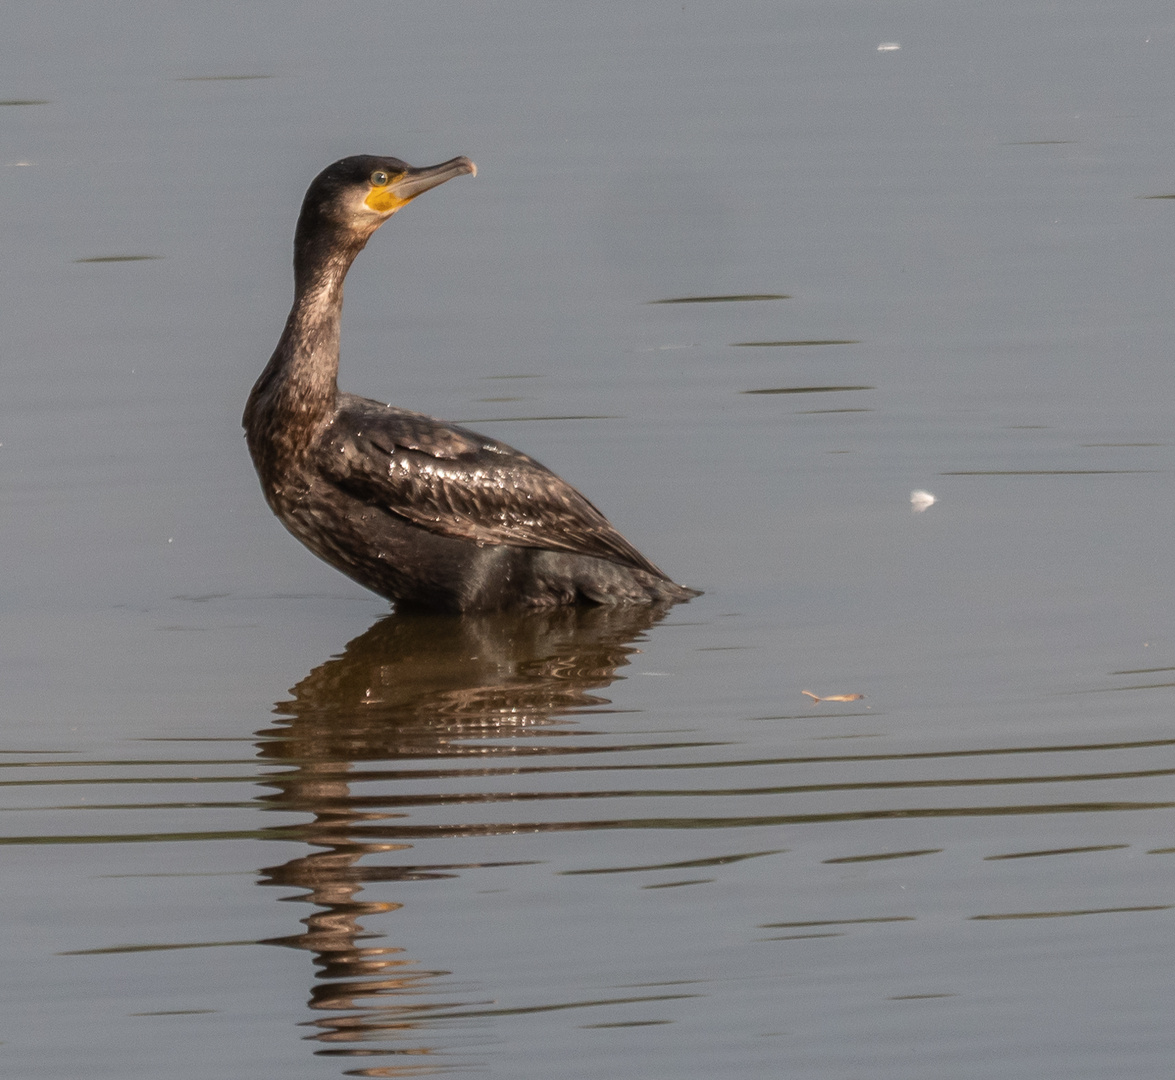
column 379, row 178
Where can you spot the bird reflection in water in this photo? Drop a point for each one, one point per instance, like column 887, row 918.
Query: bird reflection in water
column 414, row 687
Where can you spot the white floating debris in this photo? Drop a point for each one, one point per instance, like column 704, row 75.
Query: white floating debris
column 834, row 697
column 921, row 500
column 889, row 46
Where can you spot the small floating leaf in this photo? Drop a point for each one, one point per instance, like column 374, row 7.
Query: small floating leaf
column 737, row 299
column 24, row 101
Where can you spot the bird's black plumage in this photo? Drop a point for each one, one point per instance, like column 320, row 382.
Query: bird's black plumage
column 423, row 512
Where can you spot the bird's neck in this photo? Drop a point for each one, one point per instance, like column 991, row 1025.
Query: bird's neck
column 302, row 377
column 310, row 340
column 297, row 393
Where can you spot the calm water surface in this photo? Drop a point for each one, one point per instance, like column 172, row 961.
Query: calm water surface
column 748, row 280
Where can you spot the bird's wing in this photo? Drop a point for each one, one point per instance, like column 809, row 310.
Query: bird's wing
column 455, row 482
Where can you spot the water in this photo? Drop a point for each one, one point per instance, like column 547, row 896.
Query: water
column 257, row 826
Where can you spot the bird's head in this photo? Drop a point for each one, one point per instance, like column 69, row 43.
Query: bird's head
column 356, row 195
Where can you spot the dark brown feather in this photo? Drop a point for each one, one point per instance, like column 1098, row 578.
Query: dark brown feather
column 457, row 483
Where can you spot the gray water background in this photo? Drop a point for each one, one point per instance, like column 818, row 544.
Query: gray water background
column 967, row 873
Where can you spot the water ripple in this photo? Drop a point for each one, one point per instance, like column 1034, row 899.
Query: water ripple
column 394, row 765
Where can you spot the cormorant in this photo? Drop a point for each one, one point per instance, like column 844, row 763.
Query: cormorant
column 425, row 513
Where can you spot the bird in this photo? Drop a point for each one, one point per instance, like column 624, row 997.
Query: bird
column 427, row 514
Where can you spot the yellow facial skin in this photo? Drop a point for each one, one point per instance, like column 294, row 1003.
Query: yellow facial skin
column 391, row 190
column 383, row 198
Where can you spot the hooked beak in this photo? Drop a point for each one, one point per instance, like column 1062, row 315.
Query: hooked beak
column 402, row 189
